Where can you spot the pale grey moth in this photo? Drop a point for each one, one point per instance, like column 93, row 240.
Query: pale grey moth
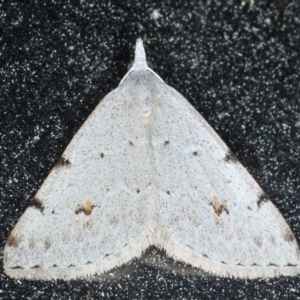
column 146, row 169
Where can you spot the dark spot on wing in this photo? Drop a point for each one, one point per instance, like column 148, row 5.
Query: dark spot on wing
column 223, row 262
column 102, row 155
column 35, row 267
column 166, row 143
column 263, row 198
column 205, row 255
column 53, row 212
column 37, row 204
column 291, row 265
column 248, row 207
column 13, row 241
column 272, row 265
column 86, row 208
column 218, row 206
column 131, row 143
column 288, row 236
column 195, row 153
column 62, row 162
column 16, row 268
column 138, row 191
column 168, row 193
column 230, row 157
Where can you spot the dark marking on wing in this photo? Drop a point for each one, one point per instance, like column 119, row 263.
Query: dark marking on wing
column 263, row 198
column 291, row 265
column 168, row 193
column 166, row 143
column 288, row 236
column 62, row 162
column 87, row 208
column 35, row 267
column 37, row 204
column 131, row 143
column 138, row 191
column 272, row 265
column 16, row 268
column 218, row 206
column 13, row 241
column 230, row 157
column 195, row 153
column 205, row 255
column 102, row 155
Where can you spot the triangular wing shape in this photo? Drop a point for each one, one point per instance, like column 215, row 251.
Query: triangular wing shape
column 146, row 169
column 212, row 213
column 92, row 212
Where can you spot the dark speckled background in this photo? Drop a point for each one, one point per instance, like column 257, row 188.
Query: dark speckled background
column 237, row 62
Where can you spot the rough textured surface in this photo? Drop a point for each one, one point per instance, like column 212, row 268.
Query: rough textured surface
column 237, row 63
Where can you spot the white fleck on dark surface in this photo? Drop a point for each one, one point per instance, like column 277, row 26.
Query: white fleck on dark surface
column 238, row 64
